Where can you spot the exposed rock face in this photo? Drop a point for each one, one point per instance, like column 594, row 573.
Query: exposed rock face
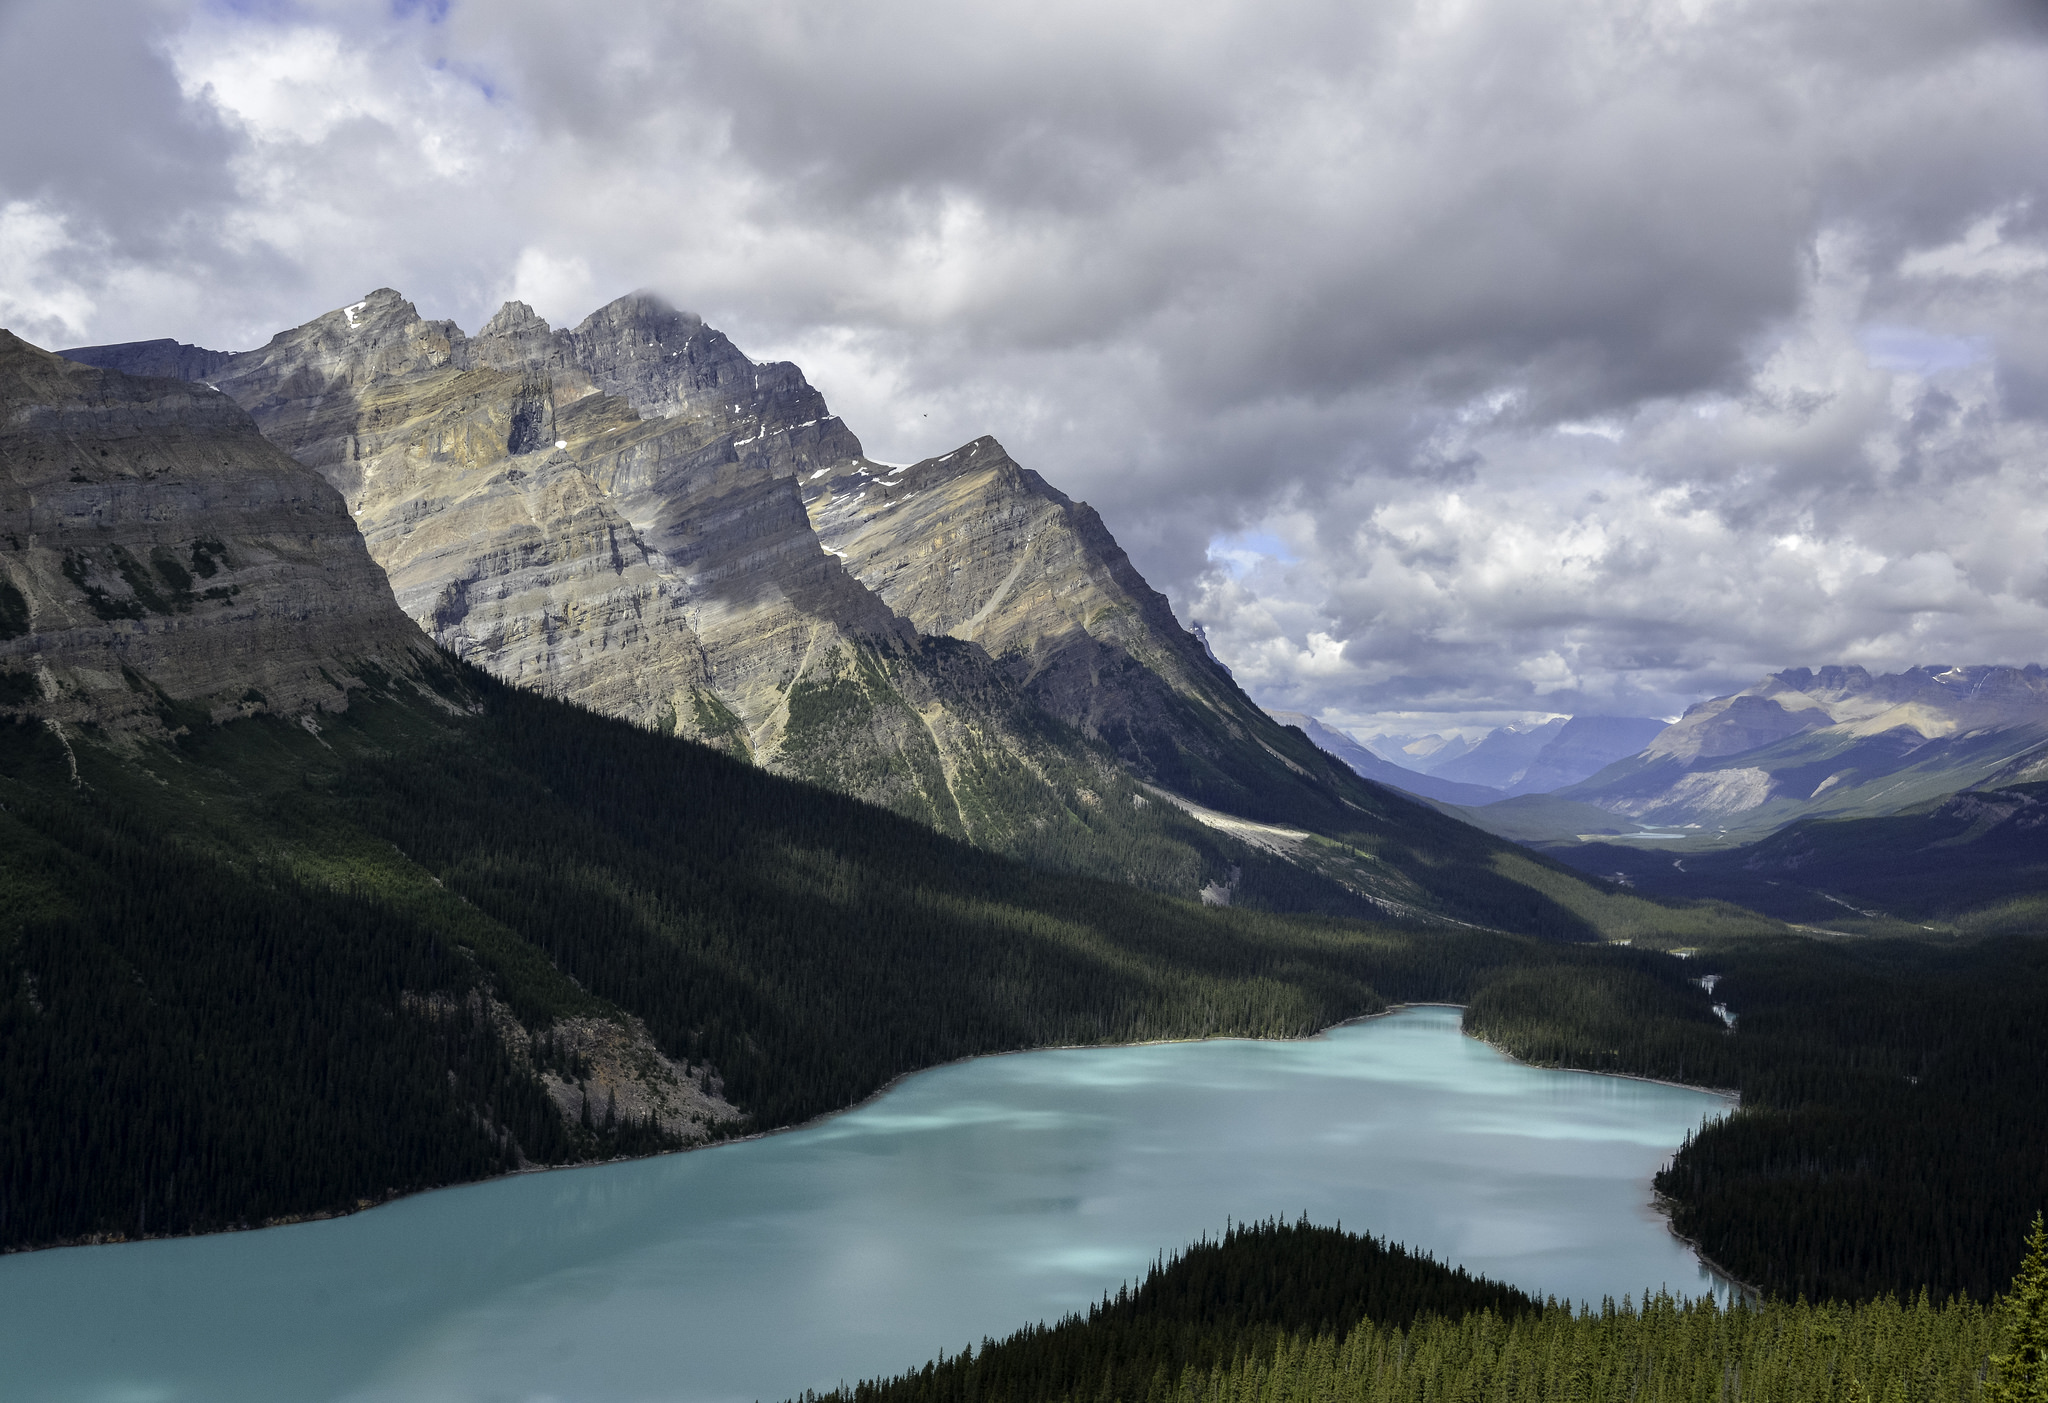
column 625, row 1076
column 974, row 546
column 515, row 560
column 156, row 549
column 598, row 1070
column 656, row 566
column 166, row 359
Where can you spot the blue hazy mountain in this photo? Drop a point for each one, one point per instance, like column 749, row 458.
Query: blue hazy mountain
column 1537, row 758
column 1370, row 766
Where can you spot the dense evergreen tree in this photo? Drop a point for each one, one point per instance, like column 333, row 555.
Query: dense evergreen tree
column 2020, row 1372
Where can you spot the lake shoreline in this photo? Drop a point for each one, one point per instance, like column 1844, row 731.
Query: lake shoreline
column 868, row 1100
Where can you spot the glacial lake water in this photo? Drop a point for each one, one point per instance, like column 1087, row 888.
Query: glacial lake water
column 970, row 1200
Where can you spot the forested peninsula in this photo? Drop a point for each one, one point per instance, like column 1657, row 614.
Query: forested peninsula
column 1278, row 1311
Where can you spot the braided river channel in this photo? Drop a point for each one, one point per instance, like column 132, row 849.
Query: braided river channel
column 966, row 1202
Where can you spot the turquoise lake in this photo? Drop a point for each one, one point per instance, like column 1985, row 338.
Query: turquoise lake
column 970, row 1200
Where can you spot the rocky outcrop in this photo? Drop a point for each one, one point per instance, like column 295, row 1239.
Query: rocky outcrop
column 598, row 1071
column 602, row 1072
column 161, row 562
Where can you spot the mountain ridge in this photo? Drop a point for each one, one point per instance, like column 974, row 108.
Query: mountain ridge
column 722, row 567
column 1801, row 743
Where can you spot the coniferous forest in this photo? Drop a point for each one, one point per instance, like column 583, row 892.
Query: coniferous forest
column 1292, row 1312
column 258, row 973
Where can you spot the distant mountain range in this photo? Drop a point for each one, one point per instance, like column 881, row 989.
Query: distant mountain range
column 1537, row 759
column 1507, row 761
column 1799, row 744
column 1876, row 804
column 1423, row 752
column 1372, row 767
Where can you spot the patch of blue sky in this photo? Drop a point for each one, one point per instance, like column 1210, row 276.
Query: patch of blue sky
column 1243, row 551
column 1909, row 348
column 433, row 11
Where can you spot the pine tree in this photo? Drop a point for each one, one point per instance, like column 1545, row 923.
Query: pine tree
column 2020, row 1375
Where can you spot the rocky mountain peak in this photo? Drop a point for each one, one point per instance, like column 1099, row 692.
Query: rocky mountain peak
column 1831, row 681
column 516, row 337
column 1731, row 725
column 973, row 545
column 512, row 318
column 644, row 316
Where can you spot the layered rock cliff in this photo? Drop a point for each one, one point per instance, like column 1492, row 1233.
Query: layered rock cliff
column 974, row 546
column 162, row 562
column 658, row 566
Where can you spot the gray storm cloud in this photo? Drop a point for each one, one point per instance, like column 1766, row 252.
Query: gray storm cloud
column 1440, row 358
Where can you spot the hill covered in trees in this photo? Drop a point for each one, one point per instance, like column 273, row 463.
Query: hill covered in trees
column 1277, row 1311
column 1969, row 863
column 269, row 968
column 1890, row 1135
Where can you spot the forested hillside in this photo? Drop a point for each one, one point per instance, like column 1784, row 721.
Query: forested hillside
column 1891, row 1134
column 263, row 968
column 1300, row 1312
column 286, row 972
column 1973, row 863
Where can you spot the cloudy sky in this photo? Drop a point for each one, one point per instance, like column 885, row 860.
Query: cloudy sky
column 1448, row 361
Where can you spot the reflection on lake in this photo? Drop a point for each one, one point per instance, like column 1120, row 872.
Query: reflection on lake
column 967, row 1202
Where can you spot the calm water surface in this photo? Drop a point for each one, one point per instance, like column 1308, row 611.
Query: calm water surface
column 967, row 1202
